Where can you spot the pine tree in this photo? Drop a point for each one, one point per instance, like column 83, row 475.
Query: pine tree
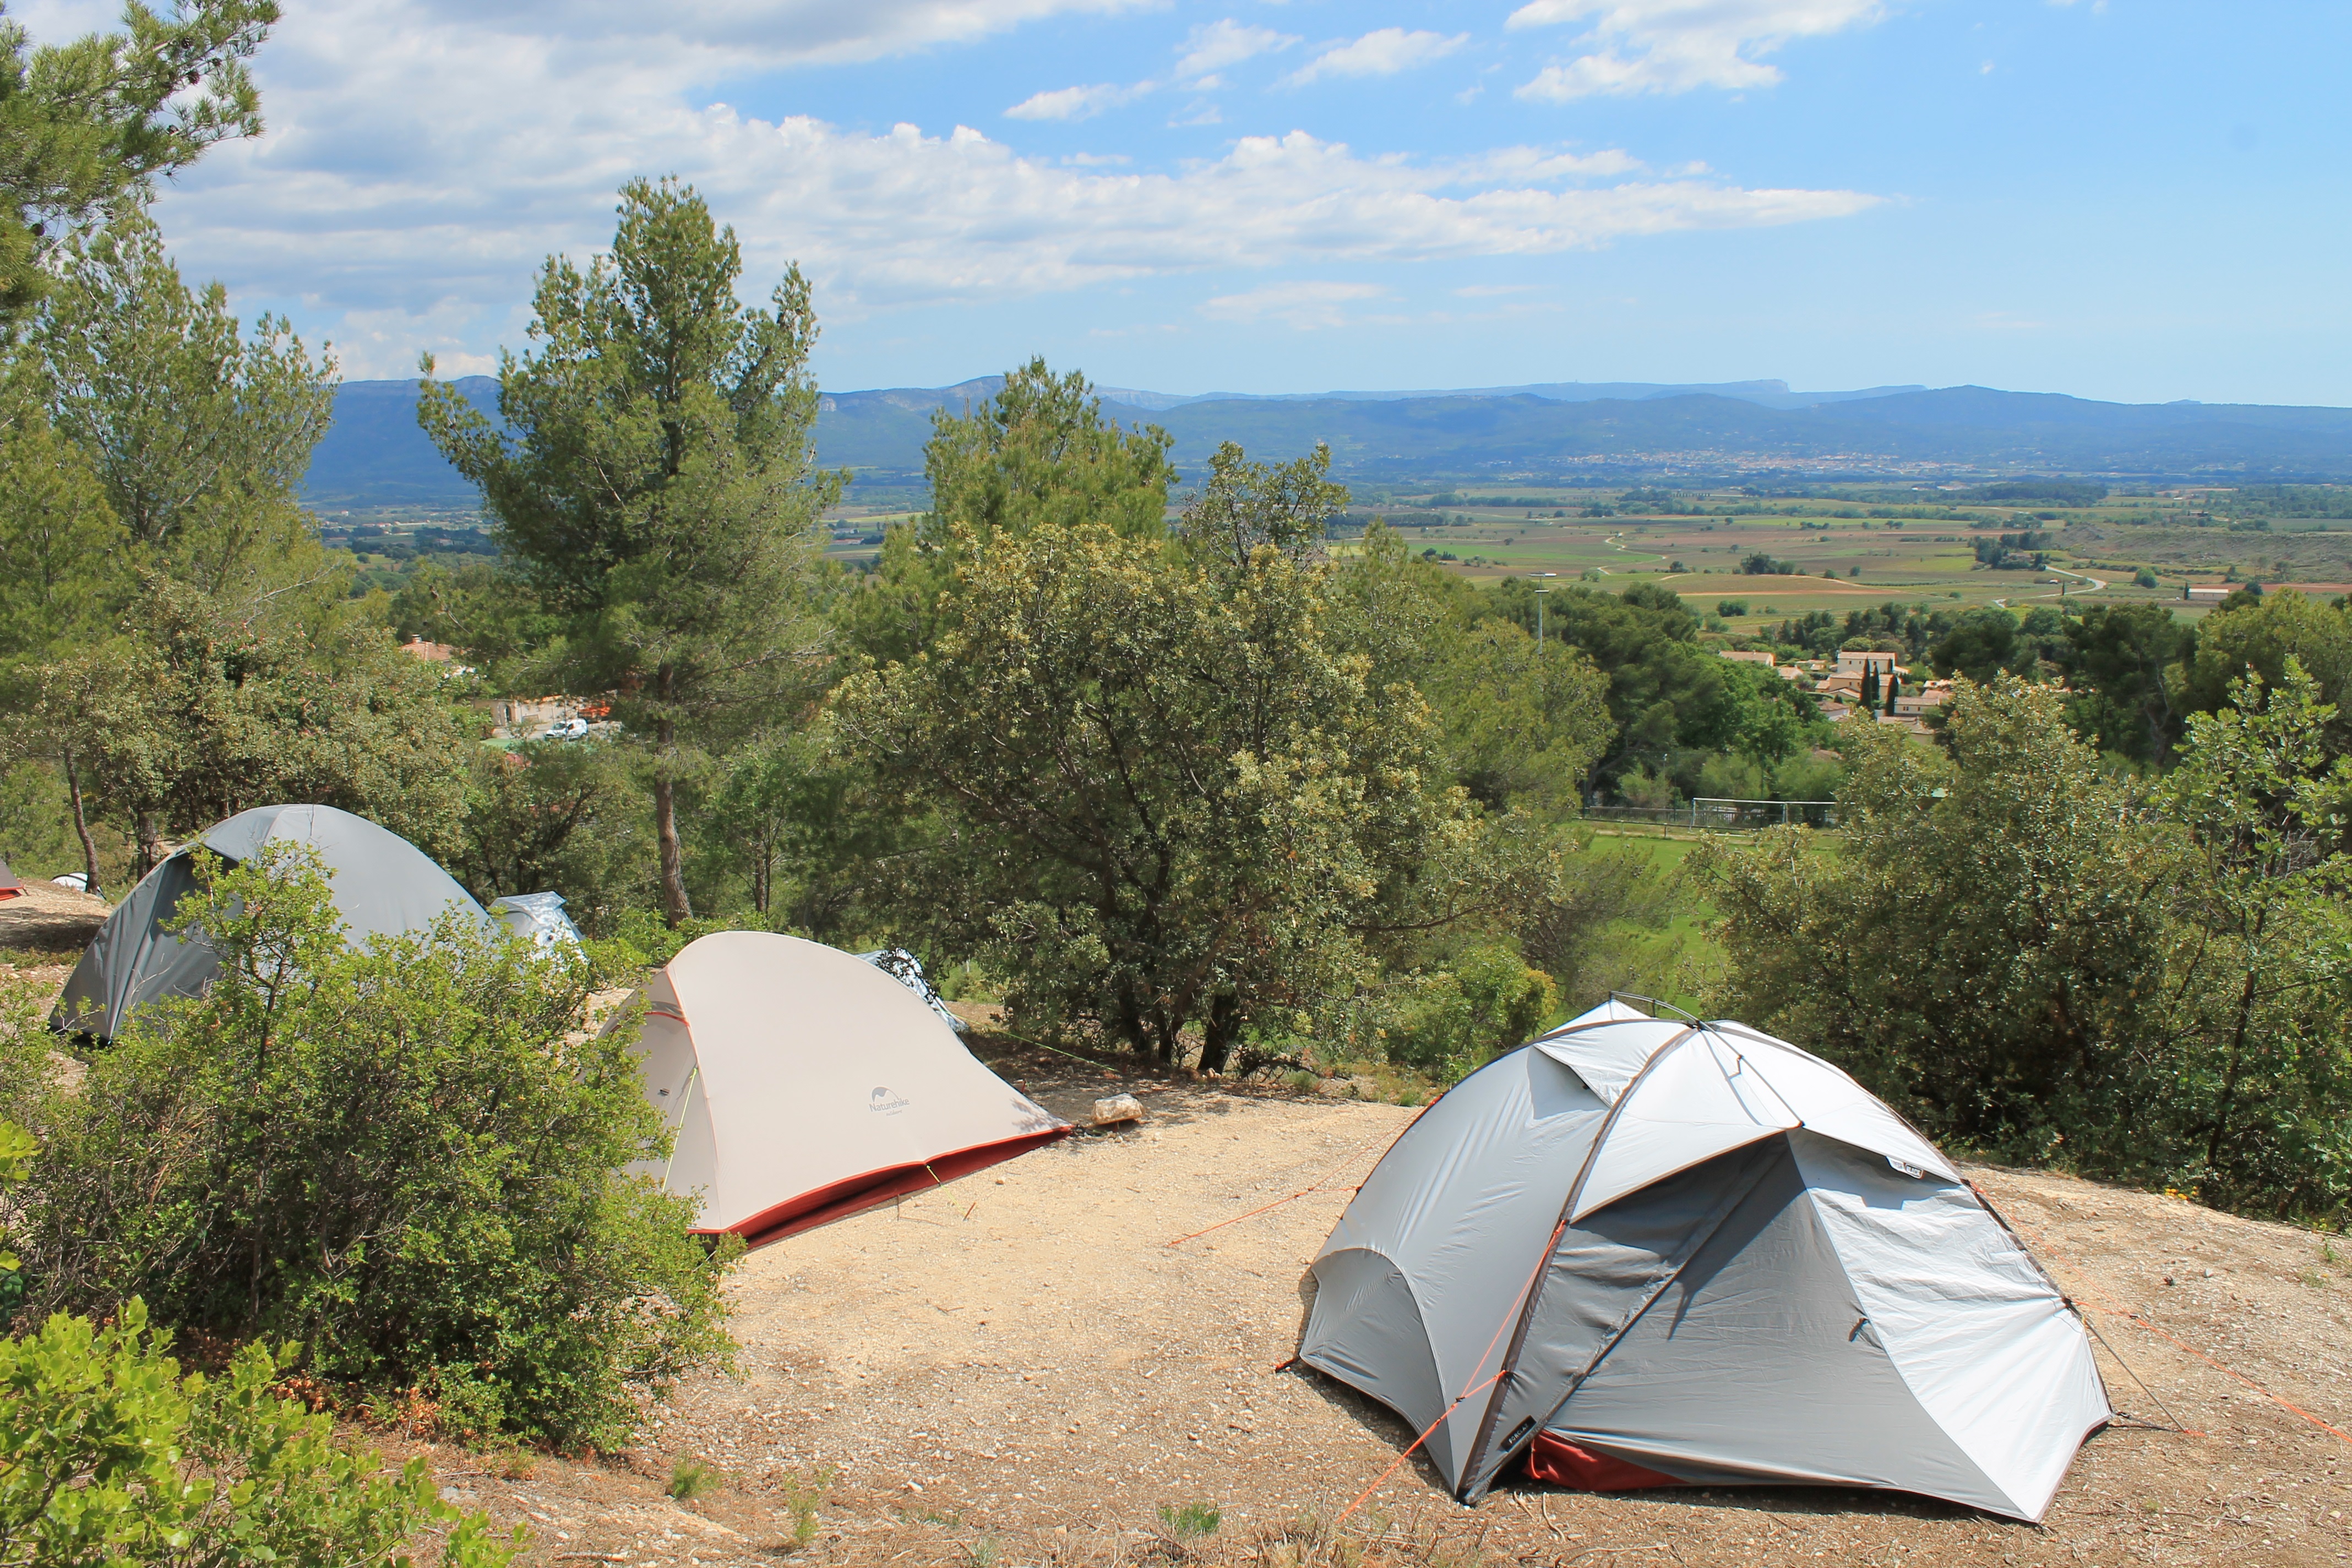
column 657, row 492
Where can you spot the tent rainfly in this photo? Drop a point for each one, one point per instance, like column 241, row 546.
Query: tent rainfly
column 803, row 1085
column 1648, row 1253
column 382, row 886
column 10, row 888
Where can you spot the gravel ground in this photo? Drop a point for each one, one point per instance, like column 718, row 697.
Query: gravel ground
column 1020, row 1369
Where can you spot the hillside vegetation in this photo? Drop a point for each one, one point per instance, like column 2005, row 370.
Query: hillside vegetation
column 1224, row 777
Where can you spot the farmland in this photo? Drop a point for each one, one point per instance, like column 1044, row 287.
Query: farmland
column 1842, row 560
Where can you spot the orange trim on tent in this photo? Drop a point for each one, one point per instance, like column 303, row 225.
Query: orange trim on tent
column 854, row 1194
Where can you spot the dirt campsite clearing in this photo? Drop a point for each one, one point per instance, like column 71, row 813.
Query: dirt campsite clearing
column 1020, row 1369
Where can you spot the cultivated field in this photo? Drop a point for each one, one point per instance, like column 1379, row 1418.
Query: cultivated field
column 2095, row 550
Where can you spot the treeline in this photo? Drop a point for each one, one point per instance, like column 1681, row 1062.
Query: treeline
column 2132, row 678
column 168, row 622
column 1212, row 789
column 2047, row 959
column 1209, row 789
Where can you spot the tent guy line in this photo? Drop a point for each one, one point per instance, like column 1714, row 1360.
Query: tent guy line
column 2108, row 1306
column 1415, row 1447
column 1345, row 1159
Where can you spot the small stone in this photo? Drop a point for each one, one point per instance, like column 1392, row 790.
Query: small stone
column 1117, row 1108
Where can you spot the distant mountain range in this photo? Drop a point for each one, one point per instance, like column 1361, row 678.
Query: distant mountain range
column 1553, row 433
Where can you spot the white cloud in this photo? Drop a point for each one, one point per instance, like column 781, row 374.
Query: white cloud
column 1303, row 305
column 1675, row 45
column 420, row 165
column 1224, row 43
column 1076, row 102
column 1382, row 53
column 1493, row 290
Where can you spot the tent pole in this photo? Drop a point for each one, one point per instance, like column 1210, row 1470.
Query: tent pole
column 685, row 1099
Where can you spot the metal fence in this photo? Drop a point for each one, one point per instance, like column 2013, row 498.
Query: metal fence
column 1724, row 816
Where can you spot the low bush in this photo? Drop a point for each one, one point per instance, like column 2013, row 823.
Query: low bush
column 412, row 1159
column 1449, row 1021
column 691, row 1478
column 108, row 1455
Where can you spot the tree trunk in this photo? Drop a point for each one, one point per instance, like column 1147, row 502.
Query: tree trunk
column 1171, row 1028
column 82, row 829
column 151, row 847
column 2229, row 1076
column 1223, row 1027
column 676, row 909
column 1131, row 1027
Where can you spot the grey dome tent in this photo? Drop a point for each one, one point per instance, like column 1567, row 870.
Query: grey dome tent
column 1643, row 1252
column 382, row 886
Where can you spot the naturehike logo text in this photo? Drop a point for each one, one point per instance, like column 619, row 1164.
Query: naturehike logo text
column 882, row 1100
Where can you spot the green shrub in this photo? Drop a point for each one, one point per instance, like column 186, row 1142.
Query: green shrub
column 1191, row 1520
column 691, row 1477
column 109, row 1456
column 1449, row 1021
column 1807, row 777
column 566, row 816
column 1731, row 777
column 411, row 1158
column 2146, row 981
column 803, row 1504
column 16, row 1147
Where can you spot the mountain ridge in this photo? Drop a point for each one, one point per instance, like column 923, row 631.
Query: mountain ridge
column 375, row 455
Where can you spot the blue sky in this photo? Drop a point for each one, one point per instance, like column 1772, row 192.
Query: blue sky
column 2116, row 198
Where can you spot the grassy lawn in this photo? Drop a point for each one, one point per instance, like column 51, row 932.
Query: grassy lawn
column 1677, row 959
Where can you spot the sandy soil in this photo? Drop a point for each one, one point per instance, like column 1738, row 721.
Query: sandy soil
column 53, row 923
column 1020, row 1369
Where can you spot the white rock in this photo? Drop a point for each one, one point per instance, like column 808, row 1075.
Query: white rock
column 1117, row 1108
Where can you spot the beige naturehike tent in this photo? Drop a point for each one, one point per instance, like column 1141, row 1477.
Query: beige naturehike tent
column 804, row 1084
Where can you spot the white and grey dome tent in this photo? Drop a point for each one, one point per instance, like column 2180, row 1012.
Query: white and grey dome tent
column 382, row 885
column 1643, row 1252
